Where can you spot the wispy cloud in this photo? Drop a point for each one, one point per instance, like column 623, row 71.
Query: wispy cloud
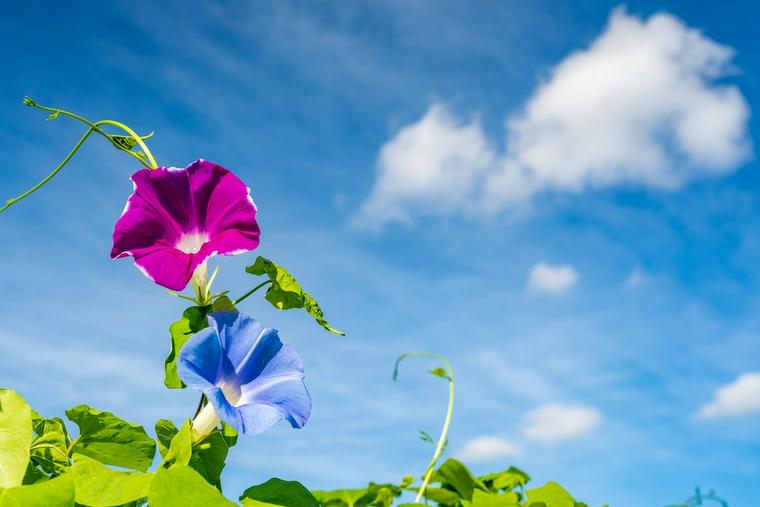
column 487, row 448
column 640, row 106
column 552, row 279
column 739, row 398
column 556, row 422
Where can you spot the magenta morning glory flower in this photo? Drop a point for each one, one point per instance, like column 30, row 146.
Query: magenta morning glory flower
column 249, row 376
column 177, row 218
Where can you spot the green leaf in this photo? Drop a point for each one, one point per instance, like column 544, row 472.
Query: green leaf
column 406, row 481
column 208, row 455
column 181, row 486
column 550, row 494
column 127, row 142
column 34, row 474
column 339, row 497
column 58, row 492
column 439, row 372
column 165, row 431
column 506, row 480
column 110, row 439
column 180, row 448
column 15, row 438
column 96, row 485
column 482, row 499
column 454, row 475
column 53, row 115
column 278, row 492
column 50, row 447
column 193, row 320
column 286, row 293
column 441, row 496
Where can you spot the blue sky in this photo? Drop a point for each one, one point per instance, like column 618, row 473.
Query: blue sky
column 562, row 198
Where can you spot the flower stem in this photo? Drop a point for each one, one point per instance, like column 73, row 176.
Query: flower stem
column 446, row 423
column 241, row 298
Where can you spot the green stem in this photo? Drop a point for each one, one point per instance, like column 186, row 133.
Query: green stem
column 150, row 162
column 93, row 127
column 50, row 176
column 446, row 422
column 71, row 445
column 241, row 298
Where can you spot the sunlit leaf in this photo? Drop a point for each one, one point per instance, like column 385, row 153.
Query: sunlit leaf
column 96, row 485
column 550, row 494
column 15, row 438
column 181, row 486
column 285, row 292
column 278, row 492
column 58, row 492
column 110, row 439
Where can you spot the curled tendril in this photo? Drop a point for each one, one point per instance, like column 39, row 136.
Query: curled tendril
column 448, row 374
column 145, row 157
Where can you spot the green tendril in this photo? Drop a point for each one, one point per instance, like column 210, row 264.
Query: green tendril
column 145, row 157
column 449, row 375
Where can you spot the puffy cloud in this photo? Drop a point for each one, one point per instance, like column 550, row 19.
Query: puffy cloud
column 740, row 397
column 431, row 166
column 641, row 105
column 487, row 449
column 552, row 279
column 555, row 422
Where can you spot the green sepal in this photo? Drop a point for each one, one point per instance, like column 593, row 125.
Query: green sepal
column 285, row 292
column 110, row 439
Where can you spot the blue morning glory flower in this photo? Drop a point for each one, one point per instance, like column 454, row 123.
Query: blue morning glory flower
column 251, row 378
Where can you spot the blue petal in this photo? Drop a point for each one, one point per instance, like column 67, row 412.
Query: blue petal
column 281, row 385
column 248, row 345
column 201, row 363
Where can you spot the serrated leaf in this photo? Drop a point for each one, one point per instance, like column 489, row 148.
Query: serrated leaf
column 110, row 439
column 181, row 486
column 286, row 293
column 279, row 492
column 58, row 492
column 550, row 494
column 96, row 485
column 193, row 320
column 15, row 438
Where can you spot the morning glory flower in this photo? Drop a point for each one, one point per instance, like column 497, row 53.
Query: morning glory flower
column 177, row 218
column 249, row 376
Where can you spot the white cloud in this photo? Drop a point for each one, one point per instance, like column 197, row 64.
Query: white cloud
column 487, row 449
column 429, row 166
column 554, row 422
column 552, row 279
column 639, row 106
column 637, row 278
column 741, row 397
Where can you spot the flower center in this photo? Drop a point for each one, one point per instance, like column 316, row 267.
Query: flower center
column 191, row 243
column 231, row 392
